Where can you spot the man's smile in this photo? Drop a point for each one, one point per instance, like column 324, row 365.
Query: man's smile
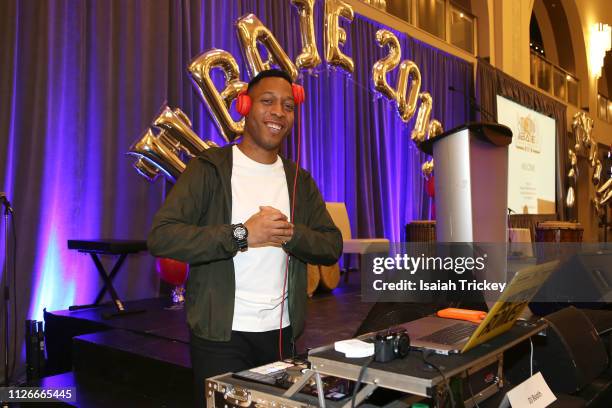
column 274, row 127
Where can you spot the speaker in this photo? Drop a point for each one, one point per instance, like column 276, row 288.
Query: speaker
column 572, row 354
column 601, row 319
column 584, row 280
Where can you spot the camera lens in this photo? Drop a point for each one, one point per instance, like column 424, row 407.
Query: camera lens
column 402, row 345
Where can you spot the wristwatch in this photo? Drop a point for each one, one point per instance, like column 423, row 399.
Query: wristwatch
column 240, row 234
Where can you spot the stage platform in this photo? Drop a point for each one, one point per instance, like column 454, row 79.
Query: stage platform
column 143, row 358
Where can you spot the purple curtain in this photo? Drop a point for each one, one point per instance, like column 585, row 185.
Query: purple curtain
column 81, row 80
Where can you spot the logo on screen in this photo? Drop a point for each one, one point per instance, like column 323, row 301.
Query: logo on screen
column 527, row 138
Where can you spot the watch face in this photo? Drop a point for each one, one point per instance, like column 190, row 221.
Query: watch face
column 239, row 232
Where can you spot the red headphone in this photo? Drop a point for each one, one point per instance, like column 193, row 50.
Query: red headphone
column 243, row 101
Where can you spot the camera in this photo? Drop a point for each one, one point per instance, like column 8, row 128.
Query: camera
column 391, row 344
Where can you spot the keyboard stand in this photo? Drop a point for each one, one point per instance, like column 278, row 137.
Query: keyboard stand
column 121, row 248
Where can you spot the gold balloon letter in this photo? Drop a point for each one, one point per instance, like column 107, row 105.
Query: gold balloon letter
column 156, row 153
column 251, row 31
column 388, row 63
column 434, row 129
column 163, row 151
column 427, row 168
column 218, row 103
column 309, row 57
column 605, row 191
column 420, row 127
column 407, row 105
column 335, row 36
column 178, row 126
column 597, row 172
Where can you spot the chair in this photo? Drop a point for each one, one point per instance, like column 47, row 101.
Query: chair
column 359, row 246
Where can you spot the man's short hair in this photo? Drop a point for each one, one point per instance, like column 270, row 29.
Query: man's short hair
column 267, row 74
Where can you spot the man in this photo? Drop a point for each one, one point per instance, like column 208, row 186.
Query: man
column 228, row 216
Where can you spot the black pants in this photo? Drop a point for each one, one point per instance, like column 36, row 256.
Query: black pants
column 244, row 350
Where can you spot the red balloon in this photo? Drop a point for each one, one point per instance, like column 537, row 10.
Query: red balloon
column 172, row 271
column 430, row 186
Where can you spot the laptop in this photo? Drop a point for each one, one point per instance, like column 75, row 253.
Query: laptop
column 450, row 336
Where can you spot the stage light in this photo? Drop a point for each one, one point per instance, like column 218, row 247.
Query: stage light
column 600, row 42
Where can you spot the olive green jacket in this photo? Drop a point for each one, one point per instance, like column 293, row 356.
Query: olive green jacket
column 193, row 226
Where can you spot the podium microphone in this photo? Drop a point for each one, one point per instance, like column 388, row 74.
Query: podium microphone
column 475, row 105
column 4, row 200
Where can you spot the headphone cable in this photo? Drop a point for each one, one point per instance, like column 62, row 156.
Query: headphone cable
column 297, row 169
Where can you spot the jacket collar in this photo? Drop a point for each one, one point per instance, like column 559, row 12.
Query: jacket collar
column 290, row 167
column 222, row 159
column 218, row 156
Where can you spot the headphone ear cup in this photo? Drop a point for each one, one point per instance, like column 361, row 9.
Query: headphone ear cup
column 243, row 103
column 298, row 93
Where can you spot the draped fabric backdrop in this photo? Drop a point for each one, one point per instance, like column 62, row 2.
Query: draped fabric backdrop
column 81, row 80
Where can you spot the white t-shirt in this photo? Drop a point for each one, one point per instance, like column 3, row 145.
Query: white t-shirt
column 259, row 271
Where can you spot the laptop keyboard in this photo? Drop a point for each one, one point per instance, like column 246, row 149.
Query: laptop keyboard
column 451, row 334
